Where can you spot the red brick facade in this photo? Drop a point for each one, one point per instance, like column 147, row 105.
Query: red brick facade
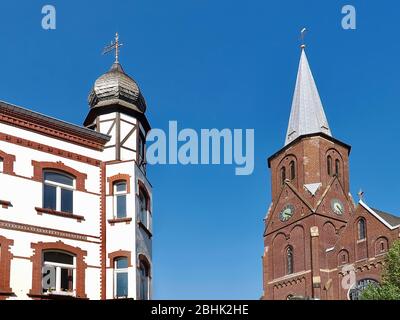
column 313, row 251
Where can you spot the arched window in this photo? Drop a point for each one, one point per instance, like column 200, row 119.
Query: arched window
column 361, row 229
column 58, row 191
column 283, row 176
column 289, row 260
column 337, row 167
column 144, row 280
column 120, row 191
column 329, row 165
column 59, row 273
column 355, row 292
column 1, row 164
column 292, row 170
column 144, row 208
column 121, row 277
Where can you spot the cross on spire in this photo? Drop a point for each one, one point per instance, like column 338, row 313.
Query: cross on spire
column 113, row 46
column 302, row 36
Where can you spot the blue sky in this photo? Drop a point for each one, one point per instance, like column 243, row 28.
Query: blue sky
column 218, row 64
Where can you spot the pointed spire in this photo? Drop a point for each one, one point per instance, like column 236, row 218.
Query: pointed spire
column 307, row 115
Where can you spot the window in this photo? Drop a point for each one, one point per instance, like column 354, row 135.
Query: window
column 337, row 167
column 289, row 260
column 1, row 165
column 329, row 165
column 355, row 292
column 59, row 273
column 144, row 208
column 121, row 277
column 144, row 281
column 292, row 170
column 361, row 229
column 120, row 190
column 283, row 176
column 142, row 149
column 382, row 246
column 58, row 192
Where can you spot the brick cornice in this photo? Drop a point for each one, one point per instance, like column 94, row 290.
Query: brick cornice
column 51, row 130
column 49, row 149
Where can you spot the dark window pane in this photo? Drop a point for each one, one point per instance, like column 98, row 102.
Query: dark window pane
column 67, row 279
column 121, row 186
column 67, row 202
column 49, row 197
column 122, row 263
column 121, row 206
column 58, row 257
column 58, row 178
column 144, row 282
column 122, row 284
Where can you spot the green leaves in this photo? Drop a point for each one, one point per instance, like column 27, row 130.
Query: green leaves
column 390, row 285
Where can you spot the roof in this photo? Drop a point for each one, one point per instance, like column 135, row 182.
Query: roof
column 390, row 220
column 116, row 85
column 388, row 217
column 307, row 114
column 44, row 123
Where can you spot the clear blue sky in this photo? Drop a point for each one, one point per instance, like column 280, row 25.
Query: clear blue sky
column 222, row 64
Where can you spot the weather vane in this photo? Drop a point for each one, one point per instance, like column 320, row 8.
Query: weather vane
column 302, row 35
column 113, row 46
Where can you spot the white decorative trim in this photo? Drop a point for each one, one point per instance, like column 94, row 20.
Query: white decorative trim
column 362, row 203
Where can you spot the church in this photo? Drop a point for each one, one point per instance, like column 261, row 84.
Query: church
column 75, row 201
column 318, row 242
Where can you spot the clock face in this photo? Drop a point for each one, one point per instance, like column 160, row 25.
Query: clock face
column 286, row 213
column 337, row 206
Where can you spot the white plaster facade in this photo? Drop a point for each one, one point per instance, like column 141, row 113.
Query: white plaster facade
column 104, row 153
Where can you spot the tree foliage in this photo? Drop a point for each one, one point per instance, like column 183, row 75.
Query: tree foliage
column 389, row 289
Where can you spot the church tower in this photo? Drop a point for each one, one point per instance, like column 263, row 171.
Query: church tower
column 310, row 198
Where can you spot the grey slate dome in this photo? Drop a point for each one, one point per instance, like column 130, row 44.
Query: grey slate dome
column 114, row 87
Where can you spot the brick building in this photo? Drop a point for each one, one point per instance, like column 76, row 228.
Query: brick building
column 318, row 242
column 75, row 201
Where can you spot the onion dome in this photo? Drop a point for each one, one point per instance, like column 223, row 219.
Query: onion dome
column 116, row 87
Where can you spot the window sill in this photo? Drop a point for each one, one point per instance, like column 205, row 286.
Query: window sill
column 55, row 297
column 141, row 225
column 362, row 240
column 6, row 293
column 5, row 204
column 59, row 214
column 119, row 220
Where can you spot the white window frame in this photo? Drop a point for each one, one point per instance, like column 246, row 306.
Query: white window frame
column 59, row 186
column 116, row 272
column 1, row 164
column 58, row 267
column 120, row 193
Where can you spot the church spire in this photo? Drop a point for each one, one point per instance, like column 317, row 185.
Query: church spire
column 307, row 115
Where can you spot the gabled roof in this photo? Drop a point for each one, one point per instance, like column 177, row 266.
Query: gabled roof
column 393, row 220
column 389, row 220
column 307, row 114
